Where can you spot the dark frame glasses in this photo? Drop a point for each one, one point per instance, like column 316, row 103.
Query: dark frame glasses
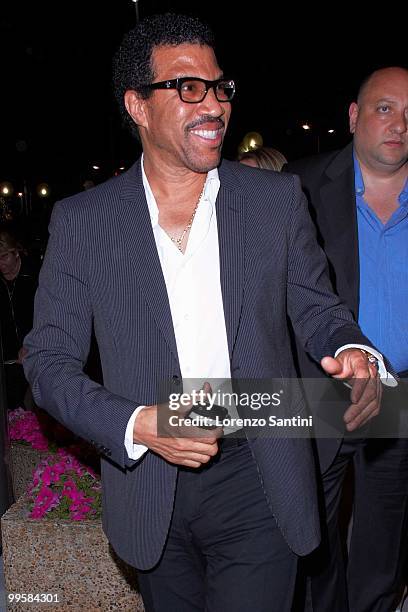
column 193, row 90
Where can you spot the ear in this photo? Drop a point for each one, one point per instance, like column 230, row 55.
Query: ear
column 136, row 107
column 353, row 114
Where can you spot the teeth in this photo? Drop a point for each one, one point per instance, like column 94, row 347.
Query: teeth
column 209, row 134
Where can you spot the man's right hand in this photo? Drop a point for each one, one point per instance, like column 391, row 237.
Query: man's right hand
column 186, row 446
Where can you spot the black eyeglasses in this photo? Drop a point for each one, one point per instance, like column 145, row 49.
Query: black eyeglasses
column 193, row 89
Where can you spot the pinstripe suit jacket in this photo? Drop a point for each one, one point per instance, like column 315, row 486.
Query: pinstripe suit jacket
column 102, row 268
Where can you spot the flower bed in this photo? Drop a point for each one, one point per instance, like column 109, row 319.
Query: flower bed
column 64, row 488
column 53, row 540
column 35, row 439
column 24, row 427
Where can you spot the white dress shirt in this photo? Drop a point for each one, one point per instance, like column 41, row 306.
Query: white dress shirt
column 194, row 291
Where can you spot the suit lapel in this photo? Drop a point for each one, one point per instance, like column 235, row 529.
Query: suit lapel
column 338, row 222
column 139, row 241
column 230, row 208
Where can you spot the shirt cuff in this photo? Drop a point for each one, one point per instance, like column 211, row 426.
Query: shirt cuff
column 134, row 451
column 386, row 378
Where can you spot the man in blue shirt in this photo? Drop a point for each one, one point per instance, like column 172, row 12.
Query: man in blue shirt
column 359, row 201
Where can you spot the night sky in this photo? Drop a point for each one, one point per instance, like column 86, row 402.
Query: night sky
column 59, row 115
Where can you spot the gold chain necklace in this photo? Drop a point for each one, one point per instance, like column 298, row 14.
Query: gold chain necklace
column 178, row 241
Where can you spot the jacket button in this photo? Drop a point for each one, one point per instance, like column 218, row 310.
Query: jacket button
column 176, row 380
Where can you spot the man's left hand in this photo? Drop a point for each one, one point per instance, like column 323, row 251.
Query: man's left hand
column 353, row 366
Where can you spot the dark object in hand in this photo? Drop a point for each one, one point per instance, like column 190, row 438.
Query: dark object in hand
column 210, row 417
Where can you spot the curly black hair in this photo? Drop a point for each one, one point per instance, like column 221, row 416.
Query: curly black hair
column 132, row 63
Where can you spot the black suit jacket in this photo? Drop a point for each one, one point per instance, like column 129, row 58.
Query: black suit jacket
column 328, row 182
column 102, row 268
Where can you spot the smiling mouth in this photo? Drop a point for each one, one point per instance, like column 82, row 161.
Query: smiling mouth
column 208, row 134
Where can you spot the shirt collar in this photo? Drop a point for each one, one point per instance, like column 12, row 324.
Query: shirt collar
column 403, row 196
column 358, row 177
column 360, row 188
column 211, row 187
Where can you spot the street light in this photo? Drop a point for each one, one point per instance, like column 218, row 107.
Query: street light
column 22, row 203
column 43, row 190
column 317, row 133
column 6, row 189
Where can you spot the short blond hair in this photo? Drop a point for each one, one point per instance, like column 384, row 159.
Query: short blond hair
column 266, row 158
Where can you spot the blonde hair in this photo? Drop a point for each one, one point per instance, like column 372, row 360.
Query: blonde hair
column 266, row 158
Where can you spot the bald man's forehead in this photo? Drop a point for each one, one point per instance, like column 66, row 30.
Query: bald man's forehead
column 383, row 82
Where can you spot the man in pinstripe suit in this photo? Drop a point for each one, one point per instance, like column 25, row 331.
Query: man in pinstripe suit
column 188, row 268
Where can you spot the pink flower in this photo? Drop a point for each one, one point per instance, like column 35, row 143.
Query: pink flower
column 69, row 459
column 51, row 474
column 37, row 441
column 77, row 516
column 70, row 490
column 37, row 513
column 46, row 499
column 63, row 487
column 78, row 511
column 24, row 426
column 78, row 497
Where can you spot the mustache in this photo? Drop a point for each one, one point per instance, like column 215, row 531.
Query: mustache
column 205, row 119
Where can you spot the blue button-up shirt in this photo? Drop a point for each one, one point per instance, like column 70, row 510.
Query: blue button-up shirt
column 383, row 251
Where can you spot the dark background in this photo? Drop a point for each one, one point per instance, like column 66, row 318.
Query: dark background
column 291, row 65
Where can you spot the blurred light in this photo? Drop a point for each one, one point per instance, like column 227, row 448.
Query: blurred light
column 20, row 194
column 122, row 168
column 252, row 141
column 95, row 167
column 6, row 188
column 43, row 190
column 242, row 148
column 331, row 131
column 306, row 126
